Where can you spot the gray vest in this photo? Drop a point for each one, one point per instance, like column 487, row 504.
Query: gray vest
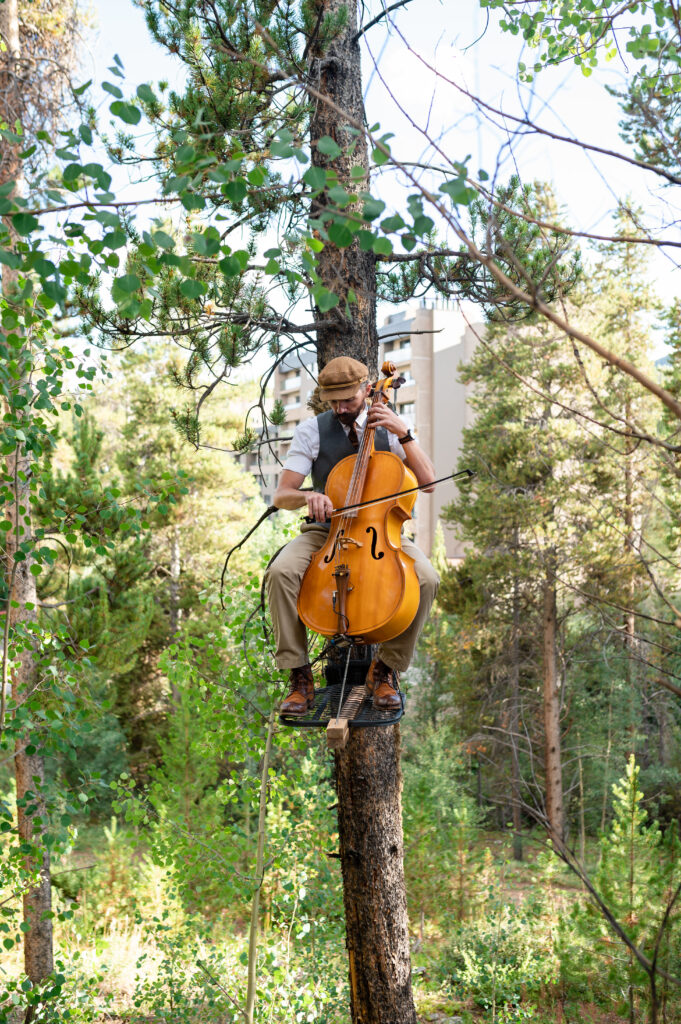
column 334, row 445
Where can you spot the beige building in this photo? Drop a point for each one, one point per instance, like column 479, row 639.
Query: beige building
column 427, row 343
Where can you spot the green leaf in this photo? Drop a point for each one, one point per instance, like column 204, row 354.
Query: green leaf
column 235, row 190
column 185, row 155
column 324, row 299
column 230, row 266
column 115, row 239
column 315, row 177
column 82, row 88
column 113, row 89
column 340, row 235
column 10, row 259
column 393, row 223
column 163, row 240
column 329, row 147
column 281, row 149
column 128, row 283
column 458, row 192
column 423, row 225
column 366, row 240
column 339, row 196
column 126, row 112
column 382, row 247
column 146, row 93
column 193, row 201
column 192, row 289
column 71, row 173
column 206, row 243
column 257, row 176
column 372, row 208
column 24, row 223
column 86, row 134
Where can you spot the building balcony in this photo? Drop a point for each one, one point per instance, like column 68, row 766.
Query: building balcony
column 399, row 355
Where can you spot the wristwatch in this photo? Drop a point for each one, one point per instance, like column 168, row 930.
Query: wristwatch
column 407, row 437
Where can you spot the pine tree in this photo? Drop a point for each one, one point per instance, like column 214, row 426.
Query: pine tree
column 636, row 880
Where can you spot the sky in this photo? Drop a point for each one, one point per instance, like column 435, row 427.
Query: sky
column 406, row 97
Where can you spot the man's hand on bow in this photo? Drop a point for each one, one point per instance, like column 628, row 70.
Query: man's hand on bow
column 319, row 506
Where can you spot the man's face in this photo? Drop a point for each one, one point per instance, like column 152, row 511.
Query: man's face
column 348, row 409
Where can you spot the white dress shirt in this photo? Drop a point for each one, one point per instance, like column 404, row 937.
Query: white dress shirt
column 305, row 444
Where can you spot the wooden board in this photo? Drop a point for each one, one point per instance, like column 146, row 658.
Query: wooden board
column 338, row 729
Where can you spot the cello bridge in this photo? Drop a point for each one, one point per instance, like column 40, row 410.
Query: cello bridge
column 344, row 541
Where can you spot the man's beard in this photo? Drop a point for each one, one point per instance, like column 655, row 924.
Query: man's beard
column 347, row 418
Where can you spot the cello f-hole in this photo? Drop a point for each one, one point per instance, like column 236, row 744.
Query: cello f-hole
column 374, row 538
column 332, row 554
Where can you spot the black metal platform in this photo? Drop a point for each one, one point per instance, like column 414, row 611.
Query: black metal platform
column 325, row 705
column 325, row 708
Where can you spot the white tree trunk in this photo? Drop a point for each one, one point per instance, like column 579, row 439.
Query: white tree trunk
column 29, row 768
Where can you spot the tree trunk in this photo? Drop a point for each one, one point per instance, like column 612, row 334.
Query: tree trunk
column 10, row 88
column 552, row 755
column 175, row 569
column 370, row 828
column 32, row 815
column 367, row 771
column 32, row 818
column 336, row 73
column 515, row 724
column 631, row 644
column 174, row 599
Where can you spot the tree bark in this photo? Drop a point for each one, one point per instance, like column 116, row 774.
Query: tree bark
column 631, row 643
column 174, row 599
column 367, row 772
column 369, row 782
column 552, row 752
column 515, row 723
column 175, row 569
column 32, row 816
column 335, row 71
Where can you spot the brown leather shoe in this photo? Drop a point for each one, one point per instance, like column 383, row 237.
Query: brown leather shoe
column 301, row 692
column 381, row 682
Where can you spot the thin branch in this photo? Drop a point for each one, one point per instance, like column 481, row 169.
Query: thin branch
column 379, row 17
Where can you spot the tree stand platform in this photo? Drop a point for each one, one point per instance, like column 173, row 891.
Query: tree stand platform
column 357, row 709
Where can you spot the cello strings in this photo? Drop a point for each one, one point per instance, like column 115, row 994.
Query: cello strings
column 354, row 493
column 356, row 483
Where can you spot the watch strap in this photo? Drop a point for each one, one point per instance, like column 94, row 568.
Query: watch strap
column 407, row 437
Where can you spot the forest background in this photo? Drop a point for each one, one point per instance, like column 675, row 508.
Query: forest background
column 167, row 852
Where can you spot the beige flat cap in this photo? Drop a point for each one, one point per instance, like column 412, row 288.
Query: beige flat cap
column 341, row 378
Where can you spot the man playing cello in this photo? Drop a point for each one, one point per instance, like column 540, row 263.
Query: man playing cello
column 318, row 445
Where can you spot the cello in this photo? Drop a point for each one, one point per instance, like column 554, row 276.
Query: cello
column 361, row 584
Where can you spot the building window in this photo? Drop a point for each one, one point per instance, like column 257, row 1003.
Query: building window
column 292, row 382
column 406, row 409
column 292, row 402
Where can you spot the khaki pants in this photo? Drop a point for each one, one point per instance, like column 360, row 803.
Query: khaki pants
column 283, row 579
